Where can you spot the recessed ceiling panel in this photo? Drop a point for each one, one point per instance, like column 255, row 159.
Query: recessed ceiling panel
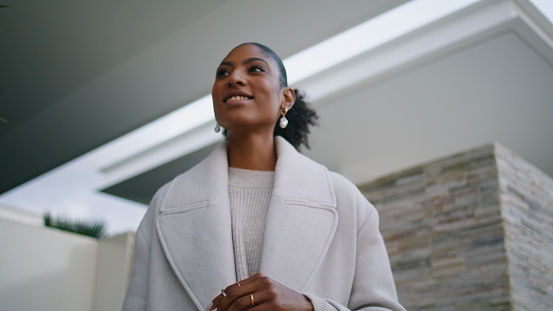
column 142, row 188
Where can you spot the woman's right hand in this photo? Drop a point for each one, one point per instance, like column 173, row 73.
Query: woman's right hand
column 259, row 293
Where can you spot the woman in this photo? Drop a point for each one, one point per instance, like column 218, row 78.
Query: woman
column 256, row 225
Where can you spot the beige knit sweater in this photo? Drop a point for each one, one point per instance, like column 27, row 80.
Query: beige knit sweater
column 250, row 193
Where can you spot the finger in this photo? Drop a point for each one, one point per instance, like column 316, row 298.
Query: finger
column 253, row 278
column 215, row 302
column 232, row 292
column 253, row 301
column 241, row 289
column 244, row 303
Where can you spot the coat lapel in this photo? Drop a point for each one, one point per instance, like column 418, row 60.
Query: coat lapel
column 301, row 219
column 194, row 227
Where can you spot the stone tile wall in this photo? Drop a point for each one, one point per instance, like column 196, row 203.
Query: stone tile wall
column 527, row 208
column 447, row 237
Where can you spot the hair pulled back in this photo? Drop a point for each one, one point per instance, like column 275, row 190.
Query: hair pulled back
column 300, row 117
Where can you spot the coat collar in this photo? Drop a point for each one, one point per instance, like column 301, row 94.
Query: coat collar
column 297, row 178
column 194, row 225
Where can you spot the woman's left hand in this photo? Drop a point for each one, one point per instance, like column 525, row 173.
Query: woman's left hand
column 260, row 292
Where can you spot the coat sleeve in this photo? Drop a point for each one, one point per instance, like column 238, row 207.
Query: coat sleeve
column 373, row 286
column 137, row 290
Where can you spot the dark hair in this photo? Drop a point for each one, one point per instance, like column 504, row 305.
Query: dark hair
column 300, row 117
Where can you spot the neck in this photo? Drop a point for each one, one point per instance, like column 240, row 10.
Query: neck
column 252, row 152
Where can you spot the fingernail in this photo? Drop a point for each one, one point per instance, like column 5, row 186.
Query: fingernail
column 210, row 306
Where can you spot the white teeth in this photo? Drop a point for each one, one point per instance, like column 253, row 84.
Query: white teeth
column 236, row 98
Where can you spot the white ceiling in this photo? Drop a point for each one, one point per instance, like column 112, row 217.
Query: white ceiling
column 84, row 74
column 79, row 74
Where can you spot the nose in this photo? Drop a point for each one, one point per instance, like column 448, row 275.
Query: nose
column 236, row 78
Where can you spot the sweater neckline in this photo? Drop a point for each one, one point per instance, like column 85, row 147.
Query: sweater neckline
column 250, row 178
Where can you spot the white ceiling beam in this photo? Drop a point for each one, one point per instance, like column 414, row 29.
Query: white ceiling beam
column 442, row 36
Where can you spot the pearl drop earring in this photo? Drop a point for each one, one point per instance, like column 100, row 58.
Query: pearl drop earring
column 283, row 123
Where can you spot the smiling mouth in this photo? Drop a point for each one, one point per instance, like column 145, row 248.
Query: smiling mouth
column 236, row 98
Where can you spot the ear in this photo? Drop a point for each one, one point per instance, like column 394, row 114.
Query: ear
column 288, row 98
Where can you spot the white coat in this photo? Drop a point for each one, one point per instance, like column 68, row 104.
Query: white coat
column 321, row 238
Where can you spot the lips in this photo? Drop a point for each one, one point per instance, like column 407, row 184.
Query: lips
column 236, row 96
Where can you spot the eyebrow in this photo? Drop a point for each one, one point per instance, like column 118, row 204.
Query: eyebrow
column 249, row 60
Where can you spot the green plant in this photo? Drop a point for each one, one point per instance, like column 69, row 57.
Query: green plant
column 91, row 228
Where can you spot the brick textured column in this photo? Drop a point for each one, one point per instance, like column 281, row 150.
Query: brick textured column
column 473, row 231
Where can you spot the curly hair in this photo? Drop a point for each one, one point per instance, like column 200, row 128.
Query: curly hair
column 300, row 117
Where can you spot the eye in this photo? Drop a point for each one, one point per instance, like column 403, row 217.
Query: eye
column 222, row 72
column 257, row 68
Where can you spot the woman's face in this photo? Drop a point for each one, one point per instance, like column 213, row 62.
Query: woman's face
column 246, row 93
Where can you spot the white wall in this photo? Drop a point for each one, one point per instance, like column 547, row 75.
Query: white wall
column 45, row 269
column 52, row 270
column 113, row 271
column 20, row 215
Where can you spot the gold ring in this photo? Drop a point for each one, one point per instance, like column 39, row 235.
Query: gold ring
column 251, row 298
column 238, row 284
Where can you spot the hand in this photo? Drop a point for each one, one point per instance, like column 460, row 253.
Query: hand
column 259, row 293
